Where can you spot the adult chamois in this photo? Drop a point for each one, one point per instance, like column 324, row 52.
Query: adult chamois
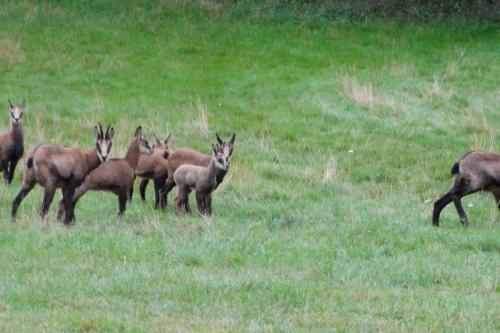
column 12, row 143
column 116, row 175
column 54, row 167
column 183, row 156
column 475, row 171
column 203, row 180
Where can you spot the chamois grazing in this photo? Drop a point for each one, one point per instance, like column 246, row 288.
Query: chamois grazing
column 54, row 167
column 202, row 179
column 12, row 143
column 475, row 171
column 183, row 156
column 117, row 175
column 155, row 167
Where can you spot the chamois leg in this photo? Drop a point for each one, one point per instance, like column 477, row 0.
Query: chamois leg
column 48, row 196
column 182, row 197
column 68, row 193
column 169, row 185
column 142, row 188
column 208, row 203
column 12, row 168
column 158, row 184
column 497, row 200
column 122, row 203
column 457, row 200
column 4, row 166
column 438, row 207
column 131, row 191
column 200, row 202
column 25, row 189
column 60, row 210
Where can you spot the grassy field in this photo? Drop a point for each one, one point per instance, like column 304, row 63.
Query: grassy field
column 346, row 134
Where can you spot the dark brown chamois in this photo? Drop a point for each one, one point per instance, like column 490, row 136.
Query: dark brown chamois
column 203, row 180
column 54, row 167
column 12, row 143
column 155, row 167
column 183, row 156
column 116, row 175
column 475, row 171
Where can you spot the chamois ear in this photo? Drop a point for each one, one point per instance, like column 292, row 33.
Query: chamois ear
column 138, row 131
column 219, row 140
column 168, row 138
column 231, row 141
column 23, row 104
column 96, row 133
column 214, row 149
column 10, row 104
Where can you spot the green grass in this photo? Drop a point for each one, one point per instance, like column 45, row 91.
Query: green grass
column 345, row 136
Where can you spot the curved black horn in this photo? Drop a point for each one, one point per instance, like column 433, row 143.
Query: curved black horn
column 10, row 104
column 219, row 140
column 100, row 130
column 231, row 141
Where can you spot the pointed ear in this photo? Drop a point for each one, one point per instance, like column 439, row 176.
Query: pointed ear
column 231, row 141
column 214, row 149
column 168, row 138
column 111, row 133
column 23, row 104
column 138, row 131
column 96, row 133
column 219, row 140
column 10, row 104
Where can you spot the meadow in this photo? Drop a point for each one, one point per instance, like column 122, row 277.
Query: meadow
column 345, row 135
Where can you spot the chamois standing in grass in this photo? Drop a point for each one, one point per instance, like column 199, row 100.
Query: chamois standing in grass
column 12, row 143
column 54, row 167
column 155, row 167
column 116, row 175
column 202, row 179
column 475, row 171
column 183, row 156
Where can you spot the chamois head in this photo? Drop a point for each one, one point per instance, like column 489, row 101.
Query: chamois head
column 103, row 141
column 220, row 159
column 144, row 147
column 16, row 112
column 162, row 145
column 226, row 147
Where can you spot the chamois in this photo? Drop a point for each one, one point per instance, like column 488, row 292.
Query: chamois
column 202, row 179
column 54, row 167
column 475, row 171
column 12, row 143
column 188, row 156
column 155, row 167
column 116, row 175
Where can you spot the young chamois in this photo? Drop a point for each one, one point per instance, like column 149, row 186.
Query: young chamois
column 12, row 143
column 183, row 156
column 475, row 171
column 155, row 167
column 54, row 167
column 202, row 179
column 116, row 175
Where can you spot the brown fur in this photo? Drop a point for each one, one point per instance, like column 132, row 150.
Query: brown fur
column 155, row 167
column 188, row 156
column 12, row 143
column 475, row 171
column 202, row 179
column 54, row 167
column 116, row 175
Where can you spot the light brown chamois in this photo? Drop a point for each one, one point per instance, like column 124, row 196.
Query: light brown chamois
column 116, row 175
column 54, row 167
column 183, row 156
column 202, row 179
column 12, row 143
column 155, row 167
column 475, row 171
